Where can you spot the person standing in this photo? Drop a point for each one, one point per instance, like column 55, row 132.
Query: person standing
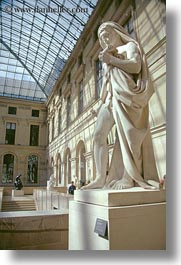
column 72, row 188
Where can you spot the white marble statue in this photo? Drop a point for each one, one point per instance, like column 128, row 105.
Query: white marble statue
column 51, row 182
column 125, row 93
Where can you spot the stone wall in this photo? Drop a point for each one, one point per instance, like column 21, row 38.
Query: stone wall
column 34, row 230
column 21, row 149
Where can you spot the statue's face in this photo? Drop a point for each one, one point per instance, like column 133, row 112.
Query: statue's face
column 109, row 37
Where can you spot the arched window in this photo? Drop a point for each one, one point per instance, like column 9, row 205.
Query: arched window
column 33, row 169
column 8, row 168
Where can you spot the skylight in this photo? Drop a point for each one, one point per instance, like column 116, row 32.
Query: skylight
column 37, row 38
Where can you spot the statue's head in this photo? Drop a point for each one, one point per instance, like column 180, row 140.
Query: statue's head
column 111, row 33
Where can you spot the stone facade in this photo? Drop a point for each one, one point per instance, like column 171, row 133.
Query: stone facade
column 21, row 149
column 70, row 122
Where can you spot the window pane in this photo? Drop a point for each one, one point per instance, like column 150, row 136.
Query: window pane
column 35, row 113
column 8, row 167
column 12, row 110
column 10, row 133
column 34, row 135
column 13, row 126
column 32, row 169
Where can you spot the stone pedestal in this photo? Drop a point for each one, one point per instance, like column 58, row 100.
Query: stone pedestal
column 17, row 193
column 132, row 219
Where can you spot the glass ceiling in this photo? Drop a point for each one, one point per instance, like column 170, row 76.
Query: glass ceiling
column 37, row 38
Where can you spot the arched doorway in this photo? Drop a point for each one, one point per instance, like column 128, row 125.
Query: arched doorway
column 80, row 163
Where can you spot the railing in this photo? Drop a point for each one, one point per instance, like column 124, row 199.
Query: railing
column 51, row 200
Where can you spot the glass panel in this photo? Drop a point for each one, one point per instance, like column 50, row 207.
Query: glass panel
column 12, row 110
column 32, row 169
column 8, row 168
column 10, row 133
column 11, row 68
column 4, row 67
column 2, row 81
column 34, row 135
column 2, row 73
column 35, row 113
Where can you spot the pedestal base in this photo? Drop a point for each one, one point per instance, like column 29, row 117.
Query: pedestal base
column 130, row 227
column 17, row 193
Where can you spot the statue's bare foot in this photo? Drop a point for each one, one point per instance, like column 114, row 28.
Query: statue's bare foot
column 122, row 184
column 96, row 184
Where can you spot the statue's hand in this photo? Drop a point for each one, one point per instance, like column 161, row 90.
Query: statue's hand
column 105, row 57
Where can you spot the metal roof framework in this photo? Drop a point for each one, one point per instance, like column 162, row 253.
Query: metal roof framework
column 36, row 39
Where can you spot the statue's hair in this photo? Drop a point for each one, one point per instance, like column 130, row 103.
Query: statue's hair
column 124, row 35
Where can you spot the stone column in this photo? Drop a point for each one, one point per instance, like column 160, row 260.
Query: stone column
column 89, row 166
column 73, row 171
column 55, row 173
column 62, row 165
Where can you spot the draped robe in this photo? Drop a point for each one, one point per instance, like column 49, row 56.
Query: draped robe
column 128, row 96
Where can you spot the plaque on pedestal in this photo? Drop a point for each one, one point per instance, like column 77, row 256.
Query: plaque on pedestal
column 101, row 227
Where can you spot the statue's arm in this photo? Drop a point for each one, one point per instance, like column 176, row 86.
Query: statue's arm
column 132, row 63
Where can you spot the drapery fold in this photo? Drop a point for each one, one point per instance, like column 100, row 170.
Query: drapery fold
column 128, row 96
